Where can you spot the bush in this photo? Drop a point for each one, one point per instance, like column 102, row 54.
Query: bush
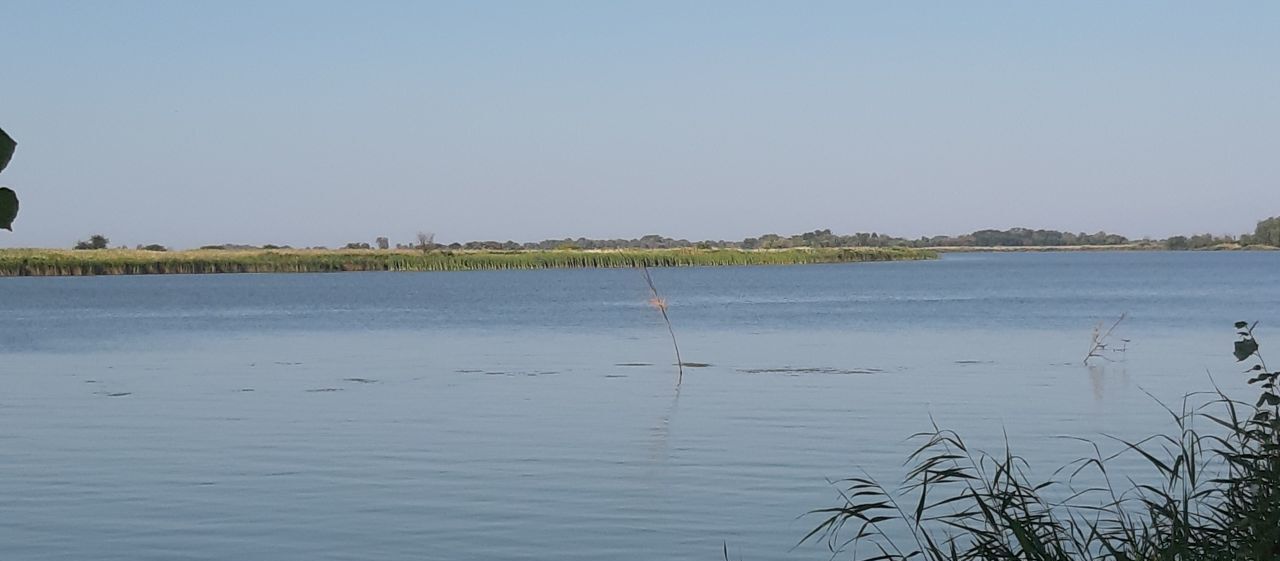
column 96, row 241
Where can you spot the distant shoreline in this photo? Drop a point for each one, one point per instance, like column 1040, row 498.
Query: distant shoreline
column 1114, row 247
column 58, row 262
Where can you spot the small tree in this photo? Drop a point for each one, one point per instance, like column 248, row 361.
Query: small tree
column 426, row 241
column 383, row 243
column 96, row 241
column 1268, row 232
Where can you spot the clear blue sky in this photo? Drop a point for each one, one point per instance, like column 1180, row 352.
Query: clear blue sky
column 309, row 123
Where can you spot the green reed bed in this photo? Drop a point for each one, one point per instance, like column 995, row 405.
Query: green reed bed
column 41, row 262
column 1212, row 494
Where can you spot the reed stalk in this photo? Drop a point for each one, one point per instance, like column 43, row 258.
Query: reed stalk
column 660, row 303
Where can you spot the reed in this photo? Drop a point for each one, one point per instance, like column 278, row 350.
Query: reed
column 45, row 262
column 1212, row 494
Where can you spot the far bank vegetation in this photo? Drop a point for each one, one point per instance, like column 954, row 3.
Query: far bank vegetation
column 1266, row 235
column 41, row 262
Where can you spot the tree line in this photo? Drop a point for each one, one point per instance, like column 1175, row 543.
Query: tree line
column 1266, row 233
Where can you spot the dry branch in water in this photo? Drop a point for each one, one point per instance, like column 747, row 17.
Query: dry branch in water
column 1101, row 342
column 660, row 303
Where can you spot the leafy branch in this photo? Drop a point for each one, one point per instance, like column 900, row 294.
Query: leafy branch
column 8, row 199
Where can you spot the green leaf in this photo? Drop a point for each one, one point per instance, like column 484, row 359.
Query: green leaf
column 7, row 145
column 8, row 208
column 1269, row 399
column 1245, row 349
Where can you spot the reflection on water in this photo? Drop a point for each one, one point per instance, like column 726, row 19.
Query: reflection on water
column 1104, row 374
column 662, row 429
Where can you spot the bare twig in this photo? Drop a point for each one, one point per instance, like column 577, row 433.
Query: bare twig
column 426, row 241
column 1101, row 341
column 660, row 303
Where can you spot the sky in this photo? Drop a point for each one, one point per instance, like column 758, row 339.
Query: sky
column 321, row 123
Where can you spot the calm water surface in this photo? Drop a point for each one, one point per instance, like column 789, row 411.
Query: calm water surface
column 535, row 415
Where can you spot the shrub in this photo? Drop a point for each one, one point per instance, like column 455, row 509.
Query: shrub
column 1177, row 243
column 96, row 241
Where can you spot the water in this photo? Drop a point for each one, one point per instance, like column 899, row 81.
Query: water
column 534, row 415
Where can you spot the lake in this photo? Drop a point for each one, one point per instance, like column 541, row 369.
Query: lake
column 535, row 414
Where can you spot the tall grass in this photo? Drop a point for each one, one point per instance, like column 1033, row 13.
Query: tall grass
column 1211, row 495
column 40, row 262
